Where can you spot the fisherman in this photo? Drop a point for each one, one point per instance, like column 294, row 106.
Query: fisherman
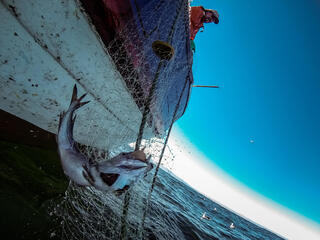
column 198, row 16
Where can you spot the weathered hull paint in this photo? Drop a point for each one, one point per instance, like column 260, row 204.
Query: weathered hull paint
column 47, row 47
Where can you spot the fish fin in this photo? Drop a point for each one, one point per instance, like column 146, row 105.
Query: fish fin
column 82, row 97
column 82, row 103
column 77, row 100
column 74, row 94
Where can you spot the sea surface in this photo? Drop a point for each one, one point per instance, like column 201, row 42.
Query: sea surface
column 188, row 205
column 175, row 212
column 38, row 202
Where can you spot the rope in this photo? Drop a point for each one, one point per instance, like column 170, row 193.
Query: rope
column 147, row 106
column 161, row 155
column 126, row 201
column 154, row 83
column 123, row 235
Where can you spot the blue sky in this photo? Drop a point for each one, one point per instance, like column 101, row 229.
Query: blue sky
column 264, row 55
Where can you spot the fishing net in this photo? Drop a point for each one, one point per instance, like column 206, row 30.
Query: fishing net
column 86, row 213
column 158, row 81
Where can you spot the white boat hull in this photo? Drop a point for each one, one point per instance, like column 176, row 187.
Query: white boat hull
column 45, row 48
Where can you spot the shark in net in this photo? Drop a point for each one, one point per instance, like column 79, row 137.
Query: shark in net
column 116, row 174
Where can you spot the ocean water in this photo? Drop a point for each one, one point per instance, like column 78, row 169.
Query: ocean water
column 36, row 205
column 174, row 197
column 175, row 212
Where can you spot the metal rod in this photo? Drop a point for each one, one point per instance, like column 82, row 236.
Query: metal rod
column 205, row 86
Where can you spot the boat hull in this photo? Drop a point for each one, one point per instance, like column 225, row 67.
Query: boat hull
column 46, row 48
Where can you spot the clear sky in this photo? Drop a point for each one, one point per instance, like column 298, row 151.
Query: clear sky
column 264, row 55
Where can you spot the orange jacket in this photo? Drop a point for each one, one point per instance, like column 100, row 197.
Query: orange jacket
column 196, row 20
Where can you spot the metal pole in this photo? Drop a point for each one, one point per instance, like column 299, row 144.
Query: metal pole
column 205, row 86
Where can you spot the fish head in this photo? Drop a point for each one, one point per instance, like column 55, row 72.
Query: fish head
column 133, row 163
column 124, row 169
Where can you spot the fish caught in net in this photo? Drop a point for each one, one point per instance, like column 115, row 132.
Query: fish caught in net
column 151, row 51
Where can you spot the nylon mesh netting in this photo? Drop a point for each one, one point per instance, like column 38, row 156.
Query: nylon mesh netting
column 86, row 213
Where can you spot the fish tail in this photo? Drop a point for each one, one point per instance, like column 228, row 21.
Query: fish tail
column 76, row 100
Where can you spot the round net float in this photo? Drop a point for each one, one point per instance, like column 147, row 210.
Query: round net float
column 163, row 49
